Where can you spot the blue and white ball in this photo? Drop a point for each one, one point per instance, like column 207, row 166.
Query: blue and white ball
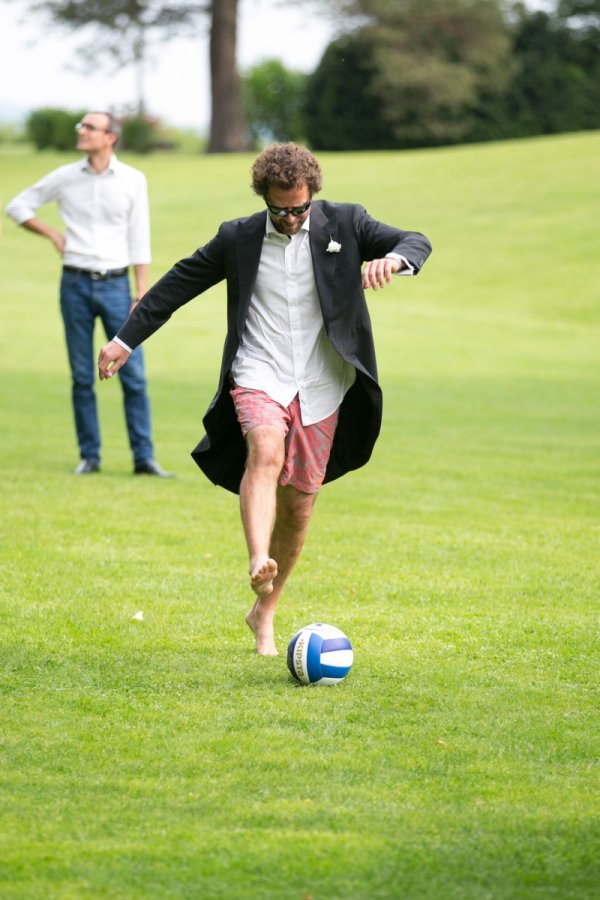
column 320, row 654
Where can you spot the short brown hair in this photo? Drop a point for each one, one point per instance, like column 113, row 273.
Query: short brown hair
column 286, row 166
column 113, row 124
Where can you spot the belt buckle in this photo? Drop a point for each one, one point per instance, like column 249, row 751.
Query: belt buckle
column 98, row 276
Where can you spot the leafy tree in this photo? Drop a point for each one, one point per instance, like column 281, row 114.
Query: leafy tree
column 342, row 108
column 139, row 134
column 125, row 29
column 121, row 29
column 50, row 128
column 582, row 15
column 582, row 18
column 426, row 61
column 556, row 83
column 273, row 101
column 433, row 56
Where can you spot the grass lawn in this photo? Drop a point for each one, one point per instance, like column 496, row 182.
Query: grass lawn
column 460, row 758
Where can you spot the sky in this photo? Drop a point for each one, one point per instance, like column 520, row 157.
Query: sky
column 34, row 60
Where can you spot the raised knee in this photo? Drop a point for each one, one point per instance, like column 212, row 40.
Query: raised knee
column 268, row 462
column 265, row 449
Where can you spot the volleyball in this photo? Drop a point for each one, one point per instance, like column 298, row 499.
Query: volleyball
column 319, row 654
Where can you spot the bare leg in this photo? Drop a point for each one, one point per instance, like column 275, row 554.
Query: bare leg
column 293, row 512
column 258, row 499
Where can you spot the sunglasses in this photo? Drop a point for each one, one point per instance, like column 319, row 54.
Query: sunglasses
column 288, row 210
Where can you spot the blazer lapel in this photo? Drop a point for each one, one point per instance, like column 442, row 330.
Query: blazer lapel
column 249, row 240
column 322, row 230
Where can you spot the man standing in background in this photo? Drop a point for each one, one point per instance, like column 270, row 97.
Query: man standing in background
column 104, row 206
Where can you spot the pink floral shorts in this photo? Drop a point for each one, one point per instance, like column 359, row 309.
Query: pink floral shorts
column 307, row 447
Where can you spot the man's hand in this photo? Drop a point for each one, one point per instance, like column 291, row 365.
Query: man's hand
column 38, row 227
column 58, row 240
column 378, row 273
column 111, row 358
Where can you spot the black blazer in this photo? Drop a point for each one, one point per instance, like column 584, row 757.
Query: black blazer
column 234, row 255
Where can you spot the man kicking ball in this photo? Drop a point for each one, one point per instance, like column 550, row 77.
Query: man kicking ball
column 298, row 403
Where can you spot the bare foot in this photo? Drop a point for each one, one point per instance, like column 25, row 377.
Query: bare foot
column 260, row 622
column 262, row 574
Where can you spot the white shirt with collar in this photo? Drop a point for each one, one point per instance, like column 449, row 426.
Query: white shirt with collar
column 284, row 349
column 106, row 215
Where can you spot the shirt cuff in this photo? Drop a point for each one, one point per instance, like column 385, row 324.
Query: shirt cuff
column 122, row 344
column 407, row 270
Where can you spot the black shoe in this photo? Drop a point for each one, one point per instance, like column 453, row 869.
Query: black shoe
column 151, row 467
column 86, row 467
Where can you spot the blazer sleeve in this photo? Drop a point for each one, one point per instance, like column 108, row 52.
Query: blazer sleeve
column 376, row 239
column 187, row 279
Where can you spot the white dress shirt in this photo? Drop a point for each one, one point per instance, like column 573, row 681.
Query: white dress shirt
column 284, row 349
column 106, row 215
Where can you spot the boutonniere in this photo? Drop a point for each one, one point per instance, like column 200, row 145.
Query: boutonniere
column 333, row 246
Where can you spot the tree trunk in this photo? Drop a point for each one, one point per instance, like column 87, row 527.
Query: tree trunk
column 227, row 126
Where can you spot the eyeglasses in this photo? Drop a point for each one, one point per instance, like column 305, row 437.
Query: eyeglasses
column 288, row 210
column 85, row 126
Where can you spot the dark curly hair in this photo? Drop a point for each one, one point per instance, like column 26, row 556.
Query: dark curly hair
column 286, row 166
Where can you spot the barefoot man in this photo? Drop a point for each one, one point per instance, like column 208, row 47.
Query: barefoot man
column 298, row 402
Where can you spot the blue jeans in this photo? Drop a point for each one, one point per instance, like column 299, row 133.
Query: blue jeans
column 81, row 300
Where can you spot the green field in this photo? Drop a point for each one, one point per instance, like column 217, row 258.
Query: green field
column 460, row 759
